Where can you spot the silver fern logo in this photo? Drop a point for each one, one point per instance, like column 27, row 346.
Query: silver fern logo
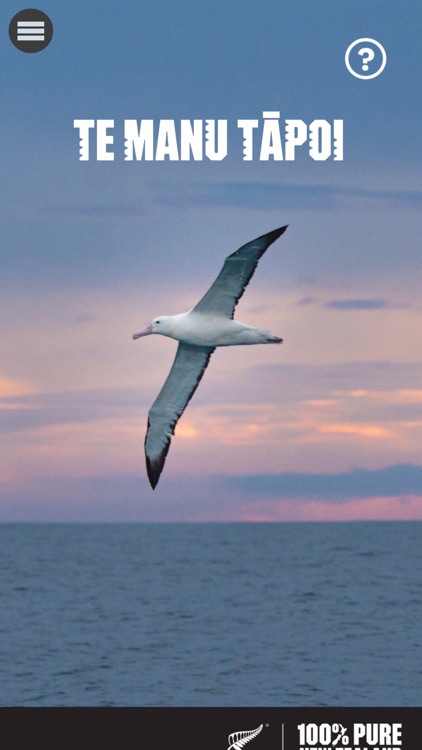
column 238, row 739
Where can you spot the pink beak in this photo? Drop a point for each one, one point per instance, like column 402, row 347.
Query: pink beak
column 145, row 332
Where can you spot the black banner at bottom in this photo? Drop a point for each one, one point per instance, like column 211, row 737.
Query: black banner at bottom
column 215, row 728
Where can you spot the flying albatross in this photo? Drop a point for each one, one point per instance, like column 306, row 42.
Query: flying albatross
column 199, row 331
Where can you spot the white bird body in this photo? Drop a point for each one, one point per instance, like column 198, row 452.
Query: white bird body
column 199, row 331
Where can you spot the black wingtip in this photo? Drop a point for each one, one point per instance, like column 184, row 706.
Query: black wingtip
column 154, row 469
column 278, row 232
column 271, row 237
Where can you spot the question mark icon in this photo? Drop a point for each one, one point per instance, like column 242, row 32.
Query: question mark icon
column 357, row 58
column 368, row 54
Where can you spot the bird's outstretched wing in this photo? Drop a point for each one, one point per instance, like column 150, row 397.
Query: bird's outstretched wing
column 182, row 381
column 238, row 269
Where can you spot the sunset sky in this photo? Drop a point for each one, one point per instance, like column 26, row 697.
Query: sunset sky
column 327, row 426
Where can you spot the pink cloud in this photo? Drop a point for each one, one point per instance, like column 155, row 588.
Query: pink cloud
column 406, row 508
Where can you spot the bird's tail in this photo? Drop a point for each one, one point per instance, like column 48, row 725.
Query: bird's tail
column 274, row 339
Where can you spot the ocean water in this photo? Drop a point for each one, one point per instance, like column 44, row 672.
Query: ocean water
column 211, row 614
